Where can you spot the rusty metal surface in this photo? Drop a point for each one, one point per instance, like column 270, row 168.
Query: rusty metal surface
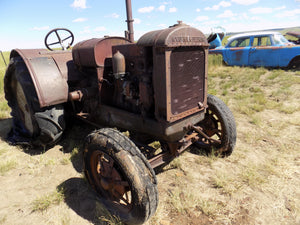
column 174, row 149
column 49, row 72
column 169, row 82
column 187, row 79
column 175, row 36
column 114, row 117
column 93, row 52
column 129, row 21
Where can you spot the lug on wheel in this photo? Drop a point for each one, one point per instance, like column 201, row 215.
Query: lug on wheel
column 121, row 176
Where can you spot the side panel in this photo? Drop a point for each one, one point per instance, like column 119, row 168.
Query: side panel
column 237, row 56
column 273, row 56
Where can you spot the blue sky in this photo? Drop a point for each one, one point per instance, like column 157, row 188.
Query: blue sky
column 24, row 23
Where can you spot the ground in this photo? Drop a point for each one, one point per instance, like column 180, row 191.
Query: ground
column 258, row 184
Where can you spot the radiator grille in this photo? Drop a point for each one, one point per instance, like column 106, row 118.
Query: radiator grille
column 187, row 79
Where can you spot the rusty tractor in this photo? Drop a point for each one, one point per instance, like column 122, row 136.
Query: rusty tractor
column 155, row 88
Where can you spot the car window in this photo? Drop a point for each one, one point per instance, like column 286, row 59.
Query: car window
column 280, row 40
column 262, row 41
column 240, row 42
column 232, row 44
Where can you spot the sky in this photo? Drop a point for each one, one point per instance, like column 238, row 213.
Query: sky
column 25, row 23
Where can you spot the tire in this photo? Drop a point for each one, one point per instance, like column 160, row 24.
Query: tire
column 120, row 174
column 219, row 124
column 295, row 63
column 32, row 125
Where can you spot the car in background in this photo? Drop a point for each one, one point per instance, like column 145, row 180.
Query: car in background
column 295, row 36
column 267, row 49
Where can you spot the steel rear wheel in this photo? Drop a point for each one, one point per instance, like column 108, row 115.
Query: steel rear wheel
column 219, row 126
column 121, row 175
column 32, row 125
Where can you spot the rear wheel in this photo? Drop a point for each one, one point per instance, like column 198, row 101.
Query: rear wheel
column 295, row 64
column 121, row 175
column 219, row 125
column 31, row 124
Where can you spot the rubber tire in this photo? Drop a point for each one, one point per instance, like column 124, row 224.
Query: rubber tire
column 294, row 64
column 227, row 122
column 134, row 168
column 31, row 124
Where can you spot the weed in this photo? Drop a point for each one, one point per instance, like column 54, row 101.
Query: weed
column 44, row 202
column 4, row 109
column 105, row 216
column 182, row 202
column 252, row 176
column 64, row 161
column 208, row 207
column 74, row 154
column 256, row 120
column 176, row 164
column 7, row 166
column 215, row 60
column 289, row 109
column 3, row 219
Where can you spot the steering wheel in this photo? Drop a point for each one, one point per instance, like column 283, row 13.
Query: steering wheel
column 62, row 34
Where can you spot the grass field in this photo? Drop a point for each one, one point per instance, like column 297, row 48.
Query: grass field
column 258, row 184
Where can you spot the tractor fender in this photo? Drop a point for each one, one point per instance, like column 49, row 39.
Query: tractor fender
column 49, row 73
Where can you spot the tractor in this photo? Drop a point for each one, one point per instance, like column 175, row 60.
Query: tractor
column 155, row 89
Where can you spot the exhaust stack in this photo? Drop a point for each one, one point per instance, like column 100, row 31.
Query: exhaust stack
column 129, row 34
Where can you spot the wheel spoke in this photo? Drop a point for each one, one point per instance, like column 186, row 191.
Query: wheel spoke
column 54, row 43
column 110, row 167
column 121, row 198
column 66, row 38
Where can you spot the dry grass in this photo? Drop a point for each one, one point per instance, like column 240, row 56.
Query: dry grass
column 258, row 184
column 42, row 203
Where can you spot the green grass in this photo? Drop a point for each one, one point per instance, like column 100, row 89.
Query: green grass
column 4, row 109
column 249, row 87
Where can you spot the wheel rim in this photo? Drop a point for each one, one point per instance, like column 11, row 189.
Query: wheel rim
column 212, row 127
column 110, row 182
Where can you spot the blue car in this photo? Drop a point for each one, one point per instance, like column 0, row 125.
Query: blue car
column 267, row 49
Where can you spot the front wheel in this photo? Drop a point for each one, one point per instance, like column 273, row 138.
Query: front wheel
column 121, row 175
column 219, row 126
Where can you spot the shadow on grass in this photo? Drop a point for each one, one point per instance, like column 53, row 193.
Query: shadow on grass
column 78, row 194
column 5, row 126
column 84, row 201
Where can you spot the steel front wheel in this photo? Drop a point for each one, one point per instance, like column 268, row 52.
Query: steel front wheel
column 121, row 175
column 219, row 126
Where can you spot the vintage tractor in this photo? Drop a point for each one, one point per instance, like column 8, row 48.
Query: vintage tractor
column 156, row 89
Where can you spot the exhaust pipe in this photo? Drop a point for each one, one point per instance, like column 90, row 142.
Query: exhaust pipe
column 129, row 34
